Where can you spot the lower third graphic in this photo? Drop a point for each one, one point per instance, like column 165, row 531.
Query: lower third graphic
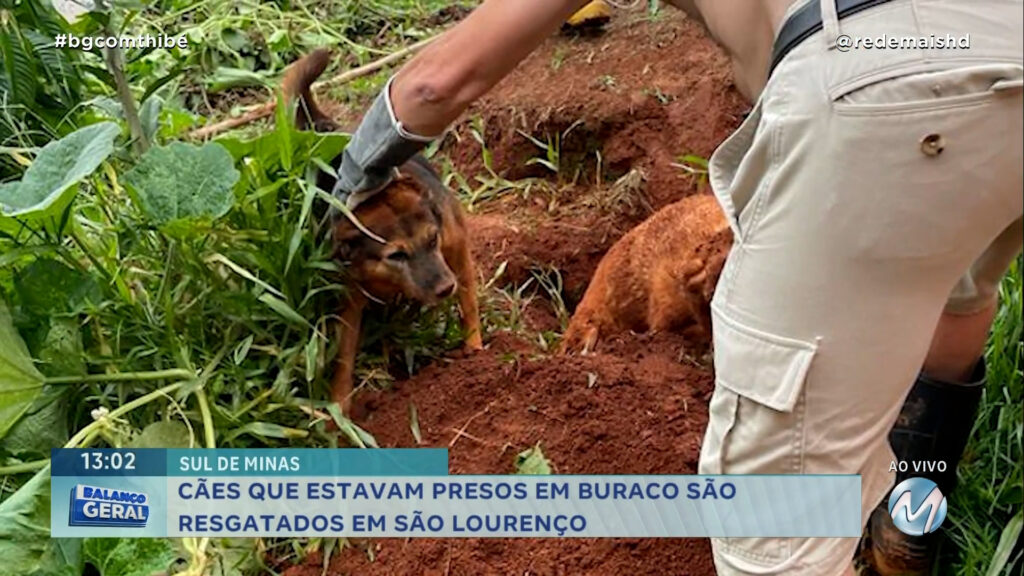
column 96, row 506
column 917, row 506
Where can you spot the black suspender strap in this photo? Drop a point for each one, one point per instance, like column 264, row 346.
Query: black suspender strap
column 806, row 21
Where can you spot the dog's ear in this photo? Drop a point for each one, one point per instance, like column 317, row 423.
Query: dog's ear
column 413, row 179
column 344, row 238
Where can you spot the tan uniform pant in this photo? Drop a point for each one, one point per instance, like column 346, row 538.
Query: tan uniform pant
column 868, row 191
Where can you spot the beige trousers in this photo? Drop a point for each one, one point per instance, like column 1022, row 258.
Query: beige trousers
column 868, row 191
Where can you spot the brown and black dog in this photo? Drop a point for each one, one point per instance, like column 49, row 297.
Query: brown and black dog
column 425, row 256
column 660, row 276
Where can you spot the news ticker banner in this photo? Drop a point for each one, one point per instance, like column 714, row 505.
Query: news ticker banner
column 408, row 493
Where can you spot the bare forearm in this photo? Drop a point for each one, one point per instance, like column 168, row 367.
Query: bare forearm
column 435, row 87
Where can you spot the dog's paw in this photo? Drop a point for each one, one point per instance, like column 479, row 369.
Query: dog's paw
column 468, row 349
column 579, row 339
column 473, row 344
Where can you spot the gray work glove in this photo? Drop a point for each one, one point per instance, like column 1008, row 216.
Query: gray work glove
column 376, row 149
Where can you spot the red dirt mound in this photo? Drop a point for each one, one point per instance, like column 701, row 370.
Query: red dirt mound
column 639, row 97
column 642, row 95
column 635, row 409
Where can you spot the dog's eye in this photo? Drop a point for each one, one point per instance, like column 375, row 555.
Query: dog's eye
column 433, row 242
column 398, row 256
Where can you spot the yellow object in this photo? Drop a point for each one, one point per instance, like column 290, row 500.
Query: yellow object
column 595, row 13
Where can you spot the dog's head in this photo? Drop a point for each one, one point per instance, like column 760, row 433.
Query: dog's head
column 410, row 263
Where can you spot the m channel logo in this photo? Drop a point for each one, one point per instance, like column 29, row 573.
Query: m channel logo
column 917, row 506
column 110, row 507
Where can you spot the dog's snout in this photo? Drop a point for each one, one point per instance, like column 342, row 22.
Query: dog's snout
column 445, row 289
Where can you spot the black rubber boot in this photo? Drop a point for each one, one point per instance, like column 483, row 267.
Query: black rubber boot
column 934, row 425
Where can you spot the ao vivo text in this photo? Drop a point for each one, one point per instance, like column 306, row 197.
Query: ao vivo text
column 918, row 466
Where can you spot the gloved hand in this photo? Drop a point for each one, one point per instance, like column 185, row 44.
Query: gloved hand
column 378, row 146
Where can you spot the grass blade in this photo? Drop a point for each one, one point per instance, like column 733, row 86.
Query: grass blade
column 243, row 273
column 414, row 423
column 1006, row 543
column 356, row 435
column 282, row 308
column 267, row 430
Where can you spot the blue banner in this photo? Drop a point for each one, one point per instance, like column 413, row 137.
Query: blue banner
column 370, row 493
column 249, row 462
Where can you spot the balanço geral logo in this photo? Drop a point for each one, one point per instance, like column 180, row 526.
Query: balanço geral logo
column 99, row 506
column 917, row 506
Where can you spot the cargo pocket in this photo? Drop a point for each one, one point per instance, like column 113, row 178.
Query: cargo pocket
column 756, row 423
column 764, row 367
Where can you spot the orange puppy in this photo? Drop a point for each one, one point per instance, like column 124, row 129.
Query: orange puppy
column 659, row 276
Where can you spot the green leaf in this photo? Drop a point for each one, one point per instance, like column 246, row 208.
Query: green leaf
column 164, row 434
column 44, row 426
column 282, row 308
column 47, row 287
column 532, row 461
column 48, row 184
column 20, row 382
column 180, row 183
column 130, row 556
column 414, row 423
column 242, row 350
column 61, row 352
column 266, row 148
column 356, row 435
column 283, row 126
column 1007, row 541
column 18, row 66
column 312, row 351
column 224, row 78
column 267, row 429
column 218, row 257
column 309, row 193
column 25, row 544
column 149, row 116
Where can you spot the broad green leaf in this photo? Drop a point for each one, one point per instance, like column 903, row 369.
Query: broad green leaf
column 532, row 461
column 44, row 426
column 182, row 182
column 61, row 352
column 130, row 556
column 47, row 287
column 164, row 434
column 48, row 184
column 25, row 544
column 20, row 382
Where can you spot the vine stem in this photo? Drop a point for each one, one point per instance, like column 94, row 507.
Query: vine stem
column 124, row 409
column 24, row 467
column 85, row 434
column 171, row 374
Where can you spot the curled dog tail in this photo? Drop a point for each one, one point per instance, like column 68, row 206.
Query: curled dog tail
column 296, row 86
